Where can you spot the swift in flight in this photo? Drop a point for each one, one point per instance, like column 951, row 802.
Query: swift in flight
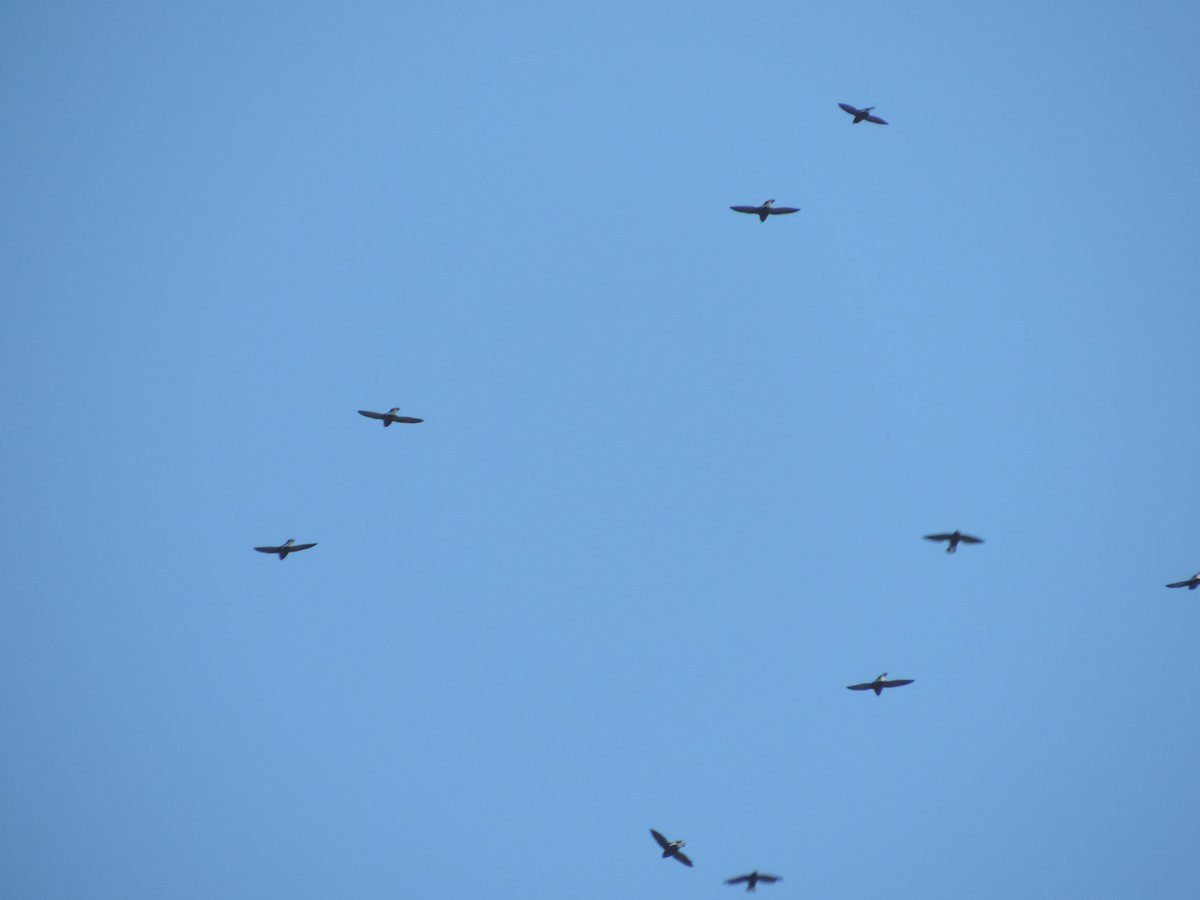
column 879, row 684
column 767, row 209
column 955, row 538
column 672, row 848
column 753, row 879
column 390, row 416
column 290, row 547
column 860, row 114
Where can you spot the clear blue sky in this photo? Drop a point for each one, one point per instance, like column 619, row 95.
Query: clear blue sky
column 669, row 495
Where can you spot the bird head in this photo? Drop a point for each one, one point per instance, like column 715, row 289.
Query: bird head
column 768, row 202
column 393, row 410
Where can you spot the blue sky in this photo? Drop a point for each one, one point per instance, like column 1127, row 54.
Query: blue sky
column 669, row 495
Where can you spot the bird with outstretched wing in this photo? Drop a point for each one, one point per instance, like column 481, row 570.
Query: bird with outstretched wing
column 879, row 684
column 954, row 538
column 768, row 208
column 862, row 114
column 753, row 879
column 284, row 549
column 672, row 848
column 1191, row 584
column 390, row 416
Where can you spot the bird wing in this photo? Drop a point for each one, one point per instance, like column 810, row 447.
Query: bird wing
column 372, row 415
column 682, row 857
column 268, row 549
column 876, row 120
column 770, row 879
column 406, row 419
column 746, row 209
column 939, row 537
column 967, row 539
column 782, row 210
column 860, row 687
column 738, row 880
column 897, row 682
column 1176, row 584
column 848, row 108
column 662, row 841
column 295, row 547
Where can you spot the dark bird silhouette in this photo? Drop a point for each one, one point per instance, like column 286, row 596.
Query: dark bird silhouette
column 672, row 848
column 290, row 547
column 767, row 209
column 879, row 684
column 954, row 538
column 753, row 879
column 860, row 114
column 1191, row 584
column 390, row 416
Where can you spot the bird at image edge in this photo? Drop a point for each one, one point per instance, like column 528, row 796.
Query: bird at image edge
column 1191, row 584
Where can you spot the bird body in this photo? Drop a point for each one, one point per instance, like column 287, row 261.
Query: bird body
column 390, row 416
column 768, row 208
column 861, row 114
column 284, row 549
column 1191, row 584
column 753, row 879
column 879, row 684
column 955, row 538
column 672, row 848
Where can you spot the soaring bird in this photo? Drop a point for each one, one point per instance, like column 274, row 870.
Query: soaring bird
column 672, row 848
column 753, row 879
column 878, row 685
column 954, row 538
column 1191, row 584
column 767, row 209
column 860, row 114
column 390, row 416
column 290, row 547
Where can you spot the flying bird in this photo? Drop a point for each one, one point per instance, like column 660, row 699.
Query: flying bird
column 860, row 114
column 767, row 209
column 672, row 848
column 954, row 538
column 390, row 416
column 1191, row 584
column 753, row 879
column 878, row 685
column 290, row 547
